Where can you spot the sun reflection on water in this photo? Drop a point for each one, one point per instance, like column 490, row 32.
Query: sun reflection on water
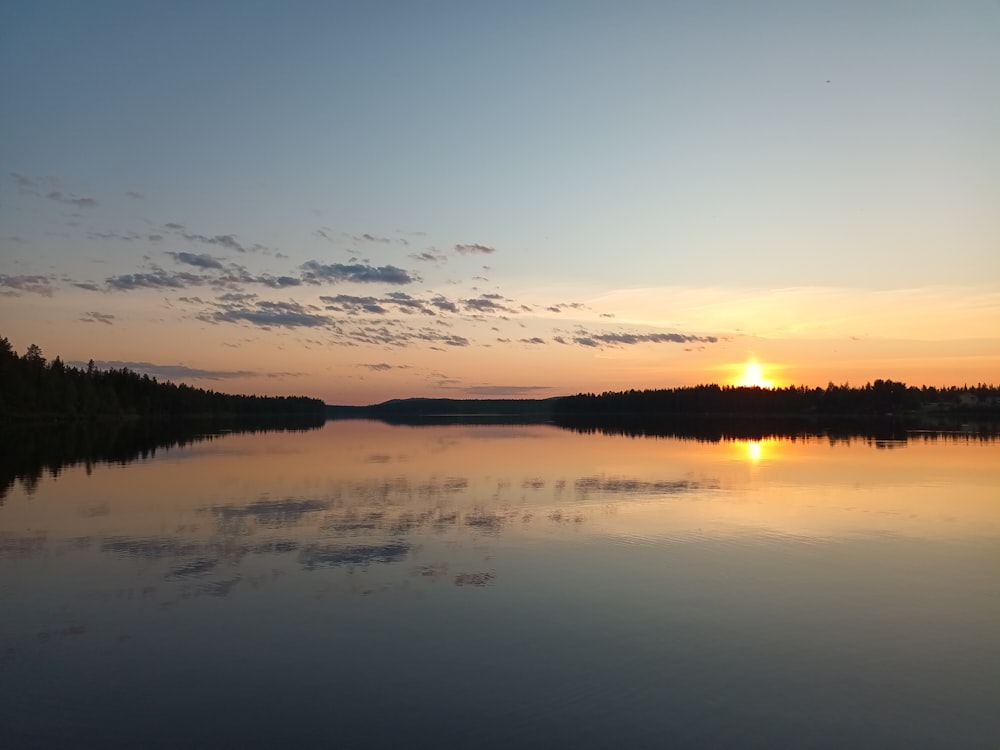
column 755, row 451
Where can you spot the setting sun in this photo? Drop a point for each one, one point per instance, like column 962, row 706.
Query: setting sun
column 753, row 375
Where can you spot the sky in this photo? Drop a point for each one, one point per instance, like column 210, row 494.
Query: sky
column 359, row 201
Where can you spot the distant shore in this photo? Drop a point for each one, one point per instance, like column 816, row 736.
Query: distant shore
column 724, row 412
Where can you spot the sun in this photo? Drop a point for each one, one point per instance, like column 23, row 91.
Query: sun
column 753, row 375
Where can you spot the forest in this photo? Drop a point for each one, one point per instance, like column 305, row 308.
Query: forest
column 33, row 389
column 880, row 400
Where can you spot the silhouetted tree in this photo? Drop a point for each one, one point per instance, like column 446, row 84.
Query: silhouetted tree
column 32, row 388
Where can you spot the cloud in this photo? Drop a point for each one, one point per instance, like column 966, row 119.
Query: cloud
column 407, row 304
column 61, row 197
column 430, row 256
column 618, row 339
column 228, row 241
column 474, row 249
column 506, row 390
column 168, row 371
column 444, row 304
column 383, row 367
column 122, row 236
column 450, row 340
column 268, row 314
column 232, row 276
column 353, row 305
column 485, row 303
column 533, row 340
column 20, row 284
column 318, row 273
column 372, row 238
column 156, row 279
column 202, row 260
column 278, row 282
column 134, row 194
column 394, row 334
column 560, row 306
column 24, row 183
column 97, row 317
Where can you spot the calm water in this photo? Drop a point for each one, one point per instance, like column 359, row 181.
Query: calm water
column 362, row 585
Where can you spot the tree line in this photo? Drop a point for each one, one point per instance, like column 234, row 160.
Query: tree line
column 34, row 389
column 883, row 398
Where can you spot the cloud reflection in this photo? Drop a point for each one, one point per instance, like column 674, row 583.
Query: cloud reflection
column 326, row 556
column 270, row 513
column 625, row 486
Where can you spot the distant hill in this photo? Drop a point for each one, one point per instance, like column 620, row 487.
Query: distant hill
column 447, row 410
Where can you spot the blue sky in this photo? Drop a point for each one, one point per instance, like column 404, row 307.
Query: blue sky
column 660, row 174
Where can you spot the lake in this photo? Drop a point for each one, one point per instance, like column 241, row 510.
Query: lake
column 362, row 585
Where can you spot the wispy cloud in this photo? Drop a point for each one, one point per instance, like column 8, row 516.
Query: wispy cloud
column 59, row 196
column 277, row 282
column 98, row 317
column 497, row 391
column 392, row 335
column 121, row 236
column 157, row 278
column 585, row 338
column 430, row 256
column 383, row 367
column 227, row 241
column 560, row 306
column 487, row 303
column 269, row 314
column 474, row 249
column 202, row 260
column 407, row 304
column 314, row 272
column 444, row 304
column 24, row 183
column 400, row 302
column 35, row 185
column 366, row 237
column 34, row 284
column 354, row 305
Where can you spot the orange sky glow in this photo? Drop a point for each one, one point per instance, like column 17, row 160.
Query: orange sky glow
column 653, row 199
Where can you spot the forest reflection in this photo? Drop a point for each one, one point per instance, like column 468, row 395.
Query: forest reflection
column 32, row 451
